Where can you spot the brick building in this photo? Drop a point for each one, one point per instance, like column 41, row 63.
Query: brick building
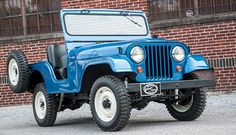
column 207, row 27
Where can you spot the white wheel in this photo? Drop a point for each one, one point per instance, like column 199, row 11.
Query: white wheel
column 189, row 108
column 184, row 105
column 18, row 71
column 44, row 106
column 40, row 105
column 110, row 103
column 13, row 72
column 105, row 104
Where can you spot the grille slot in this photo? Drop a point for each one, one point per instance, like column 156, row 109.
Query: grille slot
column 158, row 62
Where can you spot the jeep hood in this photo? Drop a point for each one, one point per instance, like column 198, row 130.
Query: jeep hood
column 113, row 48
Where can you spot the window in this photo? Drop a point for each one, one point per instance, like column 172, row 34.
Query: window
column 10, row 18
column 172, row 9
column 22, row 17
column 105, row 25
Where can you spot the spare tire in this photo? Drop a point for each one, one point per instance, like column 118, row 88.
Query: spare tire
column 18, row 72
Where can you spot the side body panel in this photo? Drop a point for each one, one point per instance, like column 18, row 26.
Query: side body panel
column 75, row 73
column 52, row 84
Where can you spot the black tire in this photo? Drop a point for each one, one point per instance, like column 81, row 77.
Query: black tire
column 195, row 110
column 23, row 71
column 51, row 107
column 122, row 99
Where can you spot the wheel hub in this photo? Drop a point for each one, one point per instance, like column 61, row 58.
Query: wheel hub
column 184, row 105
column 106, row 103
column 40, row 105
column 13, row 72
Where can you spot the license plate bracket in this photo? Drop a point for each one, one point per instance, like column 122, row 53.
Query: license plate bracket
column 150, row 89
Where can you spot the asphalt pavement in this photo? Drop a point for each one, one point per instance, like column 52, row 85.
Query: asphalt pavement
column 219, row 118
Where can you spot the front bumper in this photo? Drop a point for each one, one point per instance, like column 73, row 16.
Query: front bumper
column 182, row 84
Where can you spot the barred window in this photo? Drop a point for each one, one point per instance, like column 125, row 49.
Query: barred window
column 23, row 17
column 172, row 9
column 10, row 18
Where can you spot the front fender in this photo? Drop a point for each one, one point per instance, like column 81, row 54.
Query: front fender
column 195, row 62
column 117, row 64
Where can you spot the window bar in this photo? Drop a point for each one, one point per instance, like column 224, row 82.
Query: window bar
column 179, row 8
column 19, row 27
column 196, row 8
column 1, row 27
column 45, row 24
column 231, row 5
column 166, row 10
column 23, row 13
column 50, row 15
column 38, row 25
column 15, row 30
column 14, row 3
column 10, row 22
column 214, row 7
column 150, row 10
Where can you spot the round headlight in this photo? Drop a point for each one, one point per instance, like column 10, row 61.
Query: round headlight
column 178, row 53
column 137, row 54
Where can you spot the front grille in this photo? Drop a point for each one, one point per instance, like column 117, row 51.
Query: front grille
column 158, row 62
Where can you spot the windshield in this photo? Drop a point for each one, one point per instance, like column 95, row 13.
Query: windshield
column 105, row 25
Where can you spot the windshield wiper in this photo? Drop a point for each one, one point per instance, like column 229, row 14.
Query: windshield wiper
column 85, row 11
column 129, row 17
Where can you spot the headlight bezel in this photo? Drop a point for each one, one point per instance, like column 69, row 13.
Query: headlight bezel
column 174, row 53
column 132, row 54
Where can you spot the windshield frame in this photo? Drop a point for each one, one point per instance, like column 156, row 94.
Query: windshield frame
column 103, row 14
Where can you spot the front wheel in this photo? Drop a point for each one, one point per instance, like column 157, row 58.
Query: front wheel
column 110, row 103
column 44, row 106
column 192, row 106
column 189, row 108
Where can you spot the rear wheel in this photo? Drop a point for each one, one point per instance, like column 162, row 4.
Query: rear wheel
column 110, row 103
column 191, row 107
column 44, row 106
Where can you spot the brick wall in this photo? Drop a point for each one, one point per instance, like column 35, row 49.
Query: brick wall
column 114, row 4
column 215, row 41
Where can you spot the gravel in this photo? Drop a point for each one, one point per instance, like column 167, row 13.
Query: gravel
column 219, row 118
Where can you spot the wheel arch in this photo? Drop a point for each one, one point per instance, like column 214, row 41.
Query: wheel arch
column 93, row 72
column 35, row 78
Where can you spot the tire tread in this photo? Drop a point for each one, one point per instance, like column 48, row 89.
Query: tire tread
column 196, row 109
column 24, row 71
column 124, row 100
column 51, row 112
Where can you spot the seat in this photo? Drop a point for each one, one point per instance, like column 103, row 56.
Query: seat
column 57, row 57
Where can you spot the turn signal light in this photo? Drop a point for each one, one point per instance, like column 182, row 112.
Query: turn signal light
column 178, row 68
column 139, row 70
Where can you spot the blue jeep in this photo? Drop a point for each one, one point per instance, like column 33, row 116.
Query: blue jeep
column 111, row 61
